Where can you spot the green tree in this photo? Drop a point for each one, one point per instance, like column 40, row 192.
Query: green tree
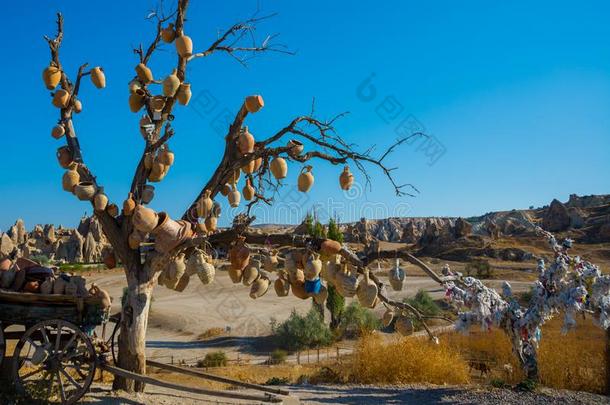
column 335, row 301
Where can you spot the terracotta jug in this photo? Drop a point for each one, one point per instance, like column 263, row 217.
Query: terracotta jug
column 71, row 178
column 169, row 233
column 234, row 197
column 64, row 156
column 184, row 46
column 98, row 78
column 282, row 287
column 168, row 34
column 5, row 264
column 313, row 267
column 330, row 247
column 157, row 172
column 235, row 275
column 58, row 131
column 78, row 106
column 346, row 179
column 157, row 103
column 254, row 103
column 144, row 73
column 134, row 86
column 259, row 287
column 103, row 295
column 296, row 147
column 245, row 142
column 239, row 254
column 271, row 260
column 51, row 77
column 251, row 272
column 279, row 168
column 298, row 289
column 171, row 84
column 166, row 156
column 85, row 190
column 305, row 180
column 100, row 201
column 248, row 190
column 396, row 276
column 388, row 317
column 329, row 270
column 148, row 193
column 184, row 94
column 348, row 281
column 136, row 100
column 112, row 210
column 258, row 162
column 404, row 325
column 248, row 168
column 211, row 223
column 144, row 219
column 129, row 205
column 367, row 291
column 61, row 98
column 205, row 204
column 182, row 283
column 225, row 190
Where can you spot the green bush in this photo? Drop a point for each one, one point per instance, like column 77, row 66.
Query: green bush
column 424, row 303
column 43, row 260
column 213, row 359
column 357, row 321
column 278, row 356
column 277, row 381
column 301, row 332
column 480, row 267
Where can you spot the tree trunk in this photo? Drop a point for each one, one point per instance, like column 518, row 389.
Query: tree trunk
column 528, row 357
column 134, row 322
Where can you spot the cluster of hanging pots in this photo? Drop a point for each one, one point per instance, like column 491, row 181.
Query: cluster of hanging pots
column 176, row 271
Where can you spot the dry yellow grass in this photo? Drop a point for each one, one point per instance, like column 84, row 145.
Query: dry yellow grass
column 211, row 333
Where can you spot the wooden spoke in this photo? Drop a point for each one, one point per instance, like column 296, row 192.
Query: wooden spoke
column 69, row 378
column 62, row 390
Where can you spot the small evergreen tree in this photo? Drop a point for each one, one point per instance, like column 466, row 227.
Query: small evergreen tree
column 335, row 301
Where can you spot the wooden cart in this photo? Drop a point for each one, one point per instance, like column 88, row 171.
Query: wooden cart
column 54, row 359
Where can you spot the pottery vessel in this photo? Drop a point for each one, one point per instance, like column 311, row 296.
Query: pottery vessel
column 205, row 204
column 58, row 131
column 129, row 205
column 51, row 77
column 245, row 142
column 168, row 34
column 85, row 190
column 346, row 179
column 184, row 46
column 254, row 103
column 239, row 254
column 61, row 98
column 144, row 219
column 70, row 178
column 296, row 147
column 98, row 78
column 171, row 84
column 169, row 233
column 259, row 287
column 144, row 73
column 306, row 179
column 279, row 168
column 367, row 291
column 184, row 94
column 248, row 191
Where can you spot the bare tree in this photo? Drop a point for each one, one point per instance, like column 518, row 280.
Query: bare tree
column 131, row 242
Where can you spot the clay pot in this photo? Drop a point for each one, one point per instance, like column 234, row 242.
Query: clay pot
column 47, row 286
column 134, row 86
column 51, row 77
column 157, row 172
column 64, row 156
column 346, row 179
column 175, row 270
column 248, row 190
column 112, row 210
column 245, row 142
column 204, row 205
column 298, row 289
column 388, row 317
column 58, row 131
column 282, row 287
column 279, row 168
column 367, row 291
column 235, row 275
column 259, row 287
column 305, row 180
column 321, row 296
column 234, row 197
column 254, row 103
column 248, row 168
column 169, row 233
column 211, row 223
column 129, row 205
column 61, row 98
column 103, row 295
column 330, row 247
column 251, row 272
column 70, row 178
column 144, row 219
column 258, row 162
column 184, row 94
column 5, row 264
column 239, row 254
column 199, row 264
column 225, row 190
column 396, row 276
column 78, row 106
column 149, row 159
column 184, row 46
column 31, row 287
column 134, row 239
column 85, row 190
column 182, row 283
column 296, row 147
column 136, row 100
column 348, row 281
column 157, row 103
column 100, row 201
column 148, row 193
column 144, row 73
column 98, row 78
column 403, row 325
column 271, row 260
column 168, row 34
column 313, row 267
column 171, row 84
column 296, row 275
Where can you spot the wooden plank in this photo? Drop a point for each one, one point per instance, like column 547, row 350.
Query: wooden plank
column 59, row 299
column 153, row 381
column 207, row 376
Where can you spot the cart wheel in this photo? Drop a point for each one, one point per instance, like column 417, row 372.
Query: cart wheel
column 54, row 361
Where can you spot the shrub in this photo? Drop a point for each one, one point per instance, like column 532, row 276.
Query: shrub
column 43, row 260
column 357, row 321
column 301, row 332
column 277, row 381
column 278, row 356
column 480, row 267
column 424, row 303
column 213, row 359
column 336, row 305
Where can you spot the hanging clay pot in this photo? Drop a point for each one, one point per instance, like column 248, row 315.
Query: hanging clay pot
column 157, row 103
column 321, row 296
column 184, row 46
column 144, row 73
column 367, row 291
column 168, row 34
column 166, row 156
column 282, row 287
column 134, row 239
column 64, row 156
column 332, row 268
column 205, row 204
column 175, row 270
column 254, row 103
column 102, row 295
column 305, row 180
column 184, row 94
column 346, row 179
column 136, row 100
column 211, row 223
column 169, row 233
column 144, row 219
column 100, row 201
column 157, row 172
column 182, row 283
column 58, row 131
column 98, row 78
column 112, row 210
column 271, row 260
column 134, row 86
column 388, row 317
column 198, row 263
column 396, row 276
column 145, row 124
column 148, row 193
column 295, row 275
column 234, row 197
column 330, row 247
column 85, row 190
column 61, row 98
column 171, row 84
column 298, row 289
column 257, row 163
column 296, row 147
column 251, row 272
column 404, row 325
column 259, row 287
column 51, row 77
column 313, row 267
column 248, row 168
column 225, row 190
column 239, row 254
column 71, row 178
column 78, row 106
column 235, row 275
column 248, row 190
column 348, row 281
column 245, row 142
column 279, row 168
column 129, row 205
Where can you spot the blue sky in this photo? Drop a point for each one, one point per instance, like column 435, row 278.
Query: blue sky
column 516, row 94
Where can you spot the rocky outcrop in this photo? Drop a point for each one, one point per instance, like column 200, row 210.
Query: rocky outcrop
column 556, row 218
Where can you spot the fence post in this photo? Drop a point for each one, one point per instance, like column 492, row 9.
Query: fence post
column 172, row 359
column 307, row 356
column 337, row 352
column 318, row 354
column 299, row 358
